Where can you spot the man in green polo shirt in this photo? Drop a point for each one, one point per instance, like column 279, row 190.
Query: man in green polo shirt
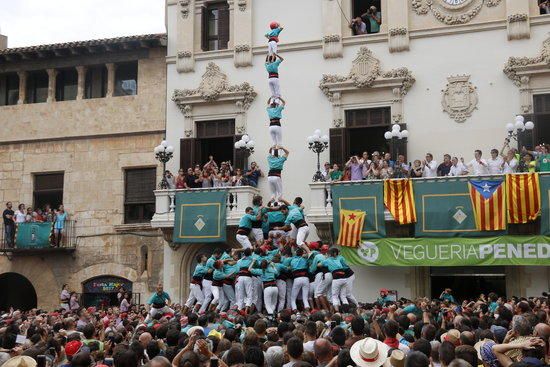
column 159, row 302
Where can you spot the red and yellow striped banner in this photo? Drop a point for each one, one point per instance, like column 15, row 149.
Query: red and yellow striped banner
column 523, row 197
column 399, row 199
column 351, row 226
column 488, row 202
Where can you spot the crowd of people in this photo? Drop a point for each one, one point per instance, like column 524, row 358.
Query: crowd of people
column 12, row 218
column 486, row 330
column 382, row 166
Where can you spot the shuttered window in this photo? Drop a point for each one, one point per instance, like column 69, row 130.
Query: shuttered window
column 139, row 198
column 215, row 26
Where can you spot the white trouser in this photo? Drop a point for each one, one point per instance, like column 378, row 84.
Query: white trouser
column 281, row 291
column 300, row 285
column 244, row 241
column 195, row 294
column 276, row 187
column 270, row 299
column 339, row 291
column 313, row 286
column 274, row 87
column 154, row 311
column 289, row 283
column 258, row 235
column 271, row 47
column 302, row 234
column 276, row 133
column 257, row 289
column 218, row 298
column 229, row 295
column 323, row 288
column 243, row 290
column 349, row 289
column 207, row 291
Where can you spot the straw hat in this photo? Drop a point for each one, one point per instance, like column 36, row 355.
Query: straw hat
column 20, row 361
column 397, row 358
column 369, row 352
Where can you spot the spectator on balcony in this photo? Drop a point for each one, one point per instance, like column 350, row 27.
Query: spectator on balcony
column 190, row 179
column 226, row 167
column 373, row 172
column 457, row 168
column 48, row 213
column 211, row 164
column 543, row 161
column 401, row 168
column 373, row 19
column 9, row 224
column 335, row 174
column 478, row 166
column 20, row 214
column 358, row 27
column 206, row 178
column 355, row 167
column 509, row 162
column 365, row 161
column 170, row 179
column 544, row 6
column 59, row 225
column 238, row 179
column 529, row 164
column 494, row 164
column 28, row 215
column 429, row 166
column 417, row 170
column 444, row 168
column 386, row 171
column 253, row 174
column 325, row 170
column 180, row 180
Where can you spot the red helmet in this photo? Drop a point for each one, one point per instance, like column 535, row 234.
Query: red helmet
column 273, row 25
column 324, row 249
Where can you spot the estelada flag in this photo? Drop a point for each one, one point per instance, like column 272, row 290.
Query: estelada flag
column 488, row 202
column 351, row 226
column 399, row 199
column 522, row 197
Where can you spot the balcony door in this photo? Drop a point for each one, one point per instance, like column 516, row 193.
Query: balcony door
column 541, row 118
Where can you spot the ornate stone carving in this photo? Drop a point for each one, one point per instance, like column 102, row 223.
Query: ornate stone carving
column 459, row 98
column 332, row 38
column 514, row 63
column 184, row 5
column 452, row 14
column 212, row 86
column 400, row 31
column 517, row 18
column 188, row 133
column 240, row 130
column 338, row 122
column 242, row 5
column 332, row 46
column 183, row 54
column 242, row 48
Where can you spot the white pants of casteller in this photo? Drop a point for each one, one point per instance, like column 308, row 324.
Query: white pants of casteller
column 349, row 289
column 207, row 291
column 272, row 47
column 274, row 87
column 195, row 295
column 243, row 292
column 300, row 286
column 339, row 291
column 258, row 235
column 154, row 311
column 229, row 293
column 323, row 288
column 244, row 241
column 281, row 294
column 301, row 235
column 289, row 283
column 270, row 299
column 218, row 297
column 276, row 133
column 257, row 292
column 313, row 286
column 276, row 187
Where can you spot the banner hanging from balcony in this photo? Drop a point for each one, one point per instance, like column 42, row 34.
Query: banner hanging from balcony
column 33, row 235
column 489, row 204
column 488, row 251
column 365, row 197
column 544, row 182
column 399, row 199
column 445, row 209
column 522, row 197
column 200, row 216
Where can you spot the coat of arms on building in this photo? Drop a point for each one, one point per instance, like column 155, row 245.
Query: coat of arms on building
column 459, row 97
column 452, row 11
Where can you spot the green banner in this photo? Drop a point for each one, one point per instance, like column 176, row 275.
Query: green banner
column 33, row 235
column 444, row 209
column 502, row 250
column 200, row 216
column 365, row 196
column 544, row 182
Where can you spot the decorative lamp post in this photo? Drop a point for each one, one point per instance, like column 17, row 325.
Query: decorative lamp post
column 393, row 137
column 318, row 144
column 245, row 146
column 164, row 153
column 518, row 130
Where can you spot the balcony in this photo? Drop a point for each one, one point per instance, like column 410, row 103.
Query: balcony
column 39, row 240
column 238, row 199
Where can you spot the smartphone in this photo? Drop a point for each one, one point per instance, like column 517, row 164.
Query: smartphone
column 108, row 362
column 332, row 324
column 41, row 360
column 214, row 362
column 51, row 351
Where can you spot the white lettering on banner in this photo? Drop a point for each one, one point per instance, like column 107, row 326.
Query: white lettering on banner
column 485, row 250
column 472, row 253
column 419, row 252
column 455, row 250
column 434, row 254
column 529, row 251
column 514, row 251
column 407, row 252
column 542, row 247
column 443, row 252
column 396, row 253
column 499, row 251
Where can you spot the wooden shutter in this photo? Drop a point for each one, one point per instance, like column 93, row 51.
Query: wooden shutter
column 223, row 28
column 140, row 184
column 204, row 28
column 337, row 146
column 187, row 150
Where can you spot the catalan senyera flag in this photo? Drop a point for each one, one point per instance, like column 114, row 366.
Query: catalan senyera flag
column 488, row 201
column 522, row 197
column 399, row 199
column 351, row 226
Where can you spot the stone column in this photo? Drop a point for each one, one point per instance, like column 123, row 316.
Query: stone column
column 398, row 25
column 52, row 76
column 22, row 86
column 111, row 68
column 332, row 30
column 186, row 12
column 242, row 32
column 517, row 19
column 81, row 70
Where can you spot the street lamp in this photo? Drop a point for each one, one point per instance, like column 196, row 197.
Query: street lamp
column 517, row 130
column 245, row 146
column 318, row 144
column 164, row 153
column 393, row 136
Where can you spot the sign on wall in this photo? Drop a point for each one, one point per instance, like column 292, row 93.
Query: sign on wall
column 106, row 284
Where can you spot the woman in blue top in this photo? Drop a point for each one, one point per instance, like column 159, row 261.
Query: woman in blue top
column 59, row 225
column 195, row 291
column 276, row 162
column 275, row 107
column 268, row 274
column 272, row 66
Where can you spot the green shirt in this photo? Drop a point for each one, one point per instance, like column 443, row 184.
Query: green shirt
column 544, row 163
column 336, row 175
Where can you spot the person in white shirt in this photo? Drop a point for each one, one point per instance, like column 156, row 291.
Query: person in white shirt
column 20, row 214
column 478, row 166
column 457, row 168
column 494, row 164
column 429, row 166
column 510, row 163
column 365, row 161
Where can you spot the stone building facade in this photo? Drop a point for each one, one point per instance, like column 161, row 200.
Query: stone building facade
column 89, row 113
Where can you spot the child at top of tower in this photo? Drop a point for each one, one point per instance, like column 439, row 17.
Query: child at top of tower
column 273, row 37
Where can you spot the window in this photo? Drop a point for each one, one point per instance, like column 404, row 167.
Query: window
column 126, row 79
column 48, row 189
column 372, row 18
column 541, row 118
column 9, row 89
column 215, row 26
column 96, row 82
column 544, row 7
column 37, row 87
column 139, row 199
column 66, row 85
